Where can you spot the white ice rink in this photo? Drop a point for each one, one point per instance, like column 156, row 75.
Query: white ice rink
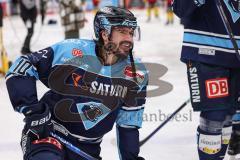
column 160, row 44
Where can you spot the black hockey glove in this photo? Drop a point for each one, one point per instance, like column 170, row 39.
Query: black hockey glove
column 36, row 132
column 140, row 158
column 37, row 121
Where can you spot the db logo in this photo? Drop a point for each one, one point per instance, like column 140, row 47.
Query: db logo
column 77, row 52
column 217, row 88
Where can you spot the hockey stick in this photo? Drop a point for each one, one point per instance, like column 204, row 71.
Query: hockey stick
column 134, row 72
column 142, row 142
column 231, row 36
column 227, row 27
column 73, row 148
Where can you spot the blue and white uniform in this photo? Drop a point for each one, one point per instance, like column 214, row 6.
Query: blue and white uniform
column 212, row 69
column 85, row 97
column 205, row 38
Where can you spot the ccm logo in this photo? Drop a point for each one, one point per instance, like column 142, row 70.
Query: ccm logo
column 217, row 88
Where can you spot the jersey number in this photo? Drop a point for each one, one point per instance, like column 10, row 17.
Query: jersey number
column 22, row 67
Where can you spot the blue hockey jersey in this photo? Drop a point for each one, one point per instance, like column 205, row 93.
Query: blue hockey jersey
column 205, row 37
column 85, row 97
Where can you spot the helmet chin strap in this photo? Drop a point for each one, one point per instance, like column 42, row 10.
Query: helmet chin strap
column 110, row 46
column 134, row 71
column 106, row 51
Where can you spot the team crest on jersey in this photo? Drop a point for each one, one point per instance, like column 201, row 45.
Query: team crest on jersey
column 92, row 113
column 129, row 74
column 77, row 53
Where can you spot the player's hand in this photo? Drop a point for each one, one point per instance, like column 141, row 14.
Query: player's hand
column 37, row 121
column 199, row 2
column 140, row 158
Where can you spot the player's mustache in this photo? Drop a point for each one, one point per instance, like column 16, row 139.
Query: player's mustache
column 111, row 46
column 126, row 47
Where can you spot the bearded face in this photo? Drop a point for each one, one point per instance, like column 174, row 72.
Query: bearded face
column 121, row 41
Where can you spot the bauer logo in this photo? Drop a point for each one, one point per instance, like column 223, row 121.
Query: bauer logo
column 77, row 52
column 106, row 10
column 41, row 121
column 129, row 23
column 217, row 88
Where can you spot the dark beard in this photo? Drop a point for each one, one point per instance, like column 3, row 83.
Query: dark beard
column 126, row 47
column 110, row 47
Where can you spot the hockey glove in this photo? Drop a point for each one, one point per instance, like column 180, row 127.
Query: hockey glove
column 37, row 121
column 199, row 2
column 140, row 158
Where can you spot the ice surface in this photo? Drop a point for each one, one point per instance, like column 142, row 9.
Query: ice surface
column 160, row 44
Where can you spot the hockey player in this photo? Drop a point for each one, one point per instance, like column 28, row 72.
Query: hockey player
column 96, row 4
column 213, row 70
column 4, row 62
column 93, row 83
column 170, row 16
column 152, row 5
column 43, row 8
column 28, row 13
column 72, row 17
